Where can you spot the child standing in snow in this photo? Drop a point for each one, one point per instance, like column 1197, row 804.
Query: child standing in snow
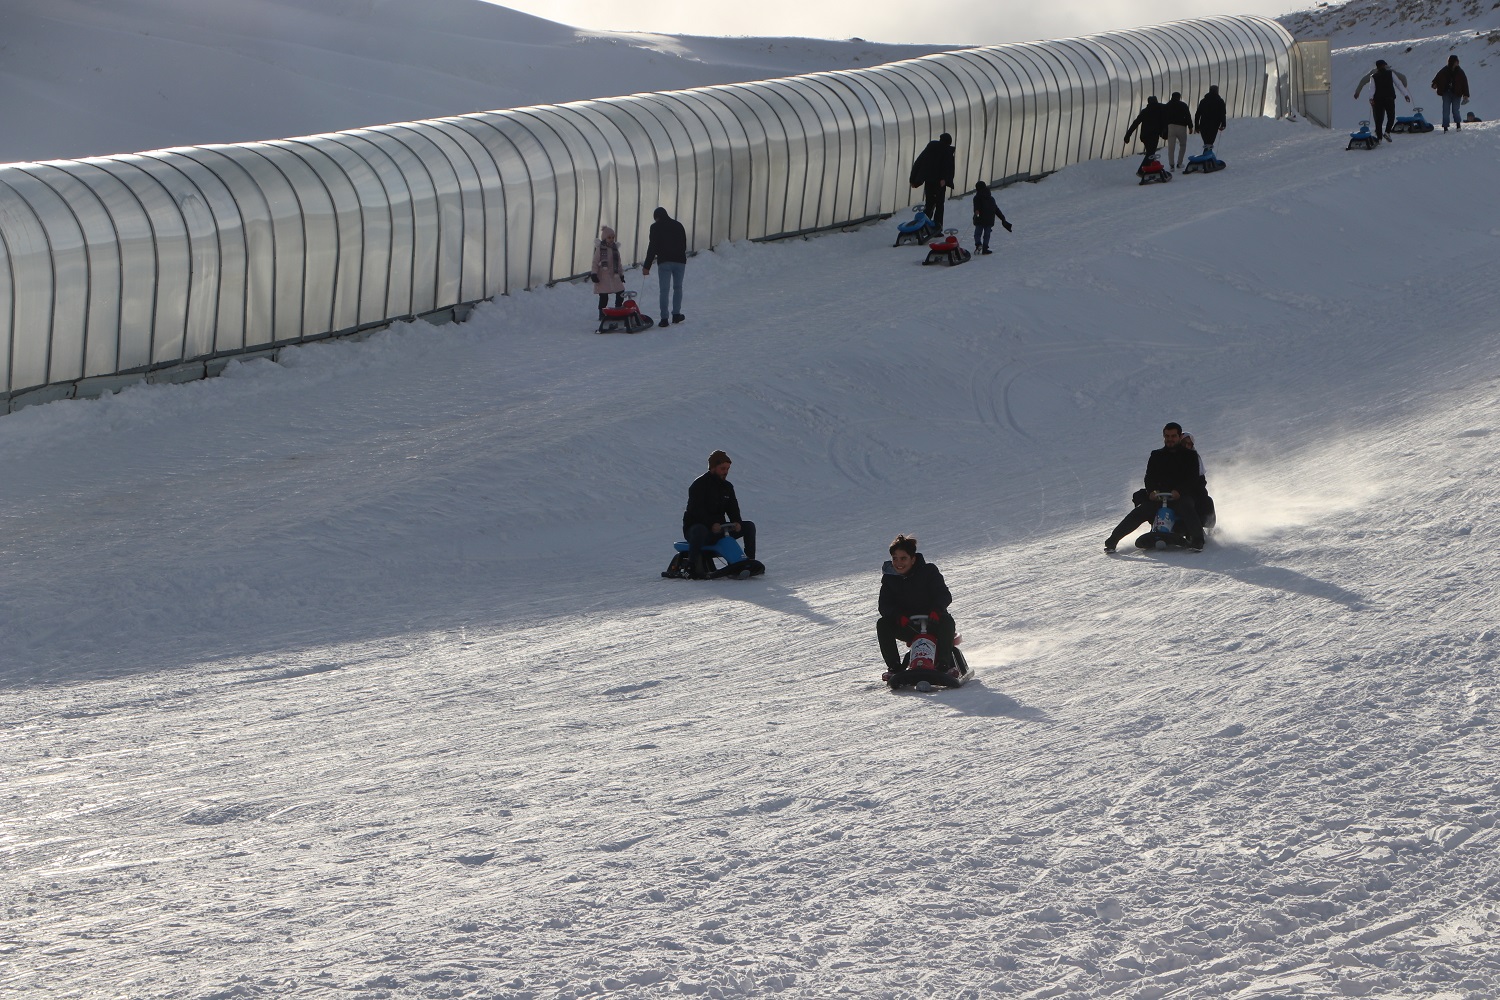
column 607, row 273
column 985, row 214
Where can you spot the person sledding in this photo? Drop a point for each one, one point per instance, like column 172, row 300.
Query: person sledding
column 910, row 586
column 1173, row 472
column 712, row 512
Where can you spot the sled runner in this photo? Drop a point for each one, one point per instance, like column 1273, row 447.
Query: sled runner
column 1164, row 533
column 1363, row 139
column 1151, row 170
column 1204, row 163
column 947, row 250
column 626, row 318
column 917, row 229
column 1414, row 122
column 919, row 667
column 726, row 550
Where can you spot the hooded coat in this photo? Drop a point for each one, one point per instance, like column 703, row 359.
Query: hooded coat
column 921, row 590
column 1152, row 121
column 607, row 271
column 1212, row 112
column 1451, row 80
column 985, row 209
column 935, row 164
column 667, row 241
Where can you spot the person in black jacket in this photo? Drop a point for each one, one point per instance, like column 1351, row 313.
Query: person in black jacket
column 1212, row 116
column 910, row 585
column 712, row 509
column 932, row 172
column 667, row 243
column 985, row 214
column 1452, row 85
column 1383, row 97
column 1152, row 121
column 1170, row 469
column 1179, row 124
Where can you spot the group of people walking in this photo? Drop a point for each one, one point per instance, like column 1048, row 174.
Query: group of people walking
column 1171, row 123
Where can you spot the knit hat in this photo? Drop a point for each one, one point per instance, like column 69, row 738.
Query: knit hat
column 1381, row 63
column 946, row 139
column 717, row 458
column 607, row 232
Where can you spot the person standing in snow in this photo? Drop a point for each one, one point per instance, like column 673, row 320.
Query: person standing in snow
column 607, row 272
column 668, row 244
column 1152, row 121
column 712, row 510
column 1179, row 124
column 932, row 171
column 1452, row 85
column 985, row 214
column 1383, row 96
column 1212, row 116
column 1170, row 469
column 910, row 585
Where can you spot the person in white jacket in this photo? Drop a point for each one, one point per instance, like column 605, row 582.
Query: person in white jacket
column 1383, row 100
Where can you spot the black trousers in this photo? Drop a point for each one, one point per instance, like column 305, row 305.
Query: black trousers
column 933, row 195
column 888, row 631
column 1188, row 522
column 701, row 536
column 1385, row 110
column 604, row 300
column 1208, row 135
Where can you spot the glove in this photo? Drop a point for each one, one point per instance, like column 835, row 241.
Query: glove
column 1008, row 226
column 976, row 220
column 1464, row 101
column 934, row 616
column 905, row 621
column 594, row 278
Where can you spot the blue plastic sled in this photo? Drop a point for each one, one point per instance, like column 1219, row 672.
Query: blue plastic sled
column 727, row 549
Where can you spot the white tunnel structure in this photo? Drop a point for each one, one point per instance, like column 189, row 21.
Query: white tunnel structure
column 162, row 263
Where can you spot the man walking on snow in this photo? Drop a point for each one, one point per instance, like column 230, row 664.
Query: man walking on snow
column 1383, row 98
column 668, row 243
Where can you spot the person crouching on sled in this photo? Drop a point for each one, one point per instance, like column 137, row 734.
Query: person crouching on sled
column 910, row 585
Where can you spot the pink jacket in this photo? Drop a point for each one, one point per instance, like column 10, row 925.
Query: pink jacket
column 609, row 275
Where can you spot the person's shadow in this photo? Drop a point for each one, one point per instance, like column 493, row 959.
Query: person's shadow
column 977, row 699
column 1243, row 565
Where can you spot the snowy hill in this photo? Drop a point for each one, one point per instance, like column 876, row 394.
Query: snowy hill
column 1416, row 37
column 83, row 78
column 354, row 676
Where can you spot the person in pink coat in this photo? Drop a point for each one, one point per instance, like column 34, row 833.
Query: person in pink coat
column 607, row 273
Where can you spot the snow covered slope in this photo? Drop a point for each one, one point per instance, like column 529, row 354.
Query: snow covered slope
column 355, row 676
column 1416, row 37
column 82, row 78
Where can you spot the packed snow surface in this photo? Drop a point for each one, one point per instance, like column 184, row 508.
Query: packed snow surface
column 354, row 675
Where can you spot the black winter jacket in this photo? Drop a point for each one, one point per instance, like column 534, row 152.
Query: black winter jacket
column 1451, row 80
column 921, row 590
column 934, row 163
column 985, row 209
column 1171, row 469
column 711, row 500
column 1212, row 112
column 1152, row 121
column 667, row 243
column 1178, row 113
